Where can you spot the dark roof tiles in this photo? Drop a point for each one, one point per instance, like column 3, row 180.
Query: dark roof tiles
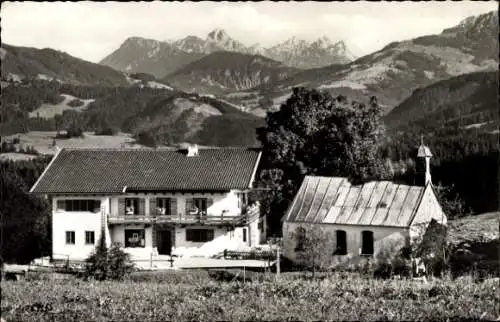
column 111, row 170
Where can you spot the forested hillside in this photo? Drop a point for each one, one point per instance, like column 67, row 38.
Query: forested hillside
column 458, row 119
column 163, row 116
column 33, row 63
column 465, row 100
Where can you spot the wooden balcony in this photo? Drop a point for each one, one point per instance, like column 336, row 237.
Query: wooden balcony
column 247, row 215
column 176, row 219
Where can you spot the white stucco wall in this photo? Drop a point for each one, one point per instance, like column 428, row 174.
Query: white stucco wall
column 388, row 238
column 117, row 233
column 223, row 239
column 429, row 209
column 82, row 221
column 79, row 222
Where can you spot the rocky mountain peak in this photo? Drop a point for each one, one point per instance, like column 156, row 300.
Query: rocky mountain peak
column 140, row 42
column 218, row 35
column 484, row 22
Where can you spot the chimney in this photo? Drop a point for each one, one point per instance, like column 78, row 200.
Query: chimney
column 192, row 150
column 425, row 152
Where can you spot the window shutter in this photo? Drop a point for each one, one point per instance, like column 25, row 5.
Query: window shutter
column 61, row 205
column 121, row 206
column 152, row 207
column 189, row 205
column 210, row 235
column 97, row 206
column 173, row 206
column 142, row 210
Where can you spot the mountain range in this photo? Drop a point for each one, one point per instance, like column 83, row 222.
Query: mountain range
column 224, row 72
column 395, row 71
column 161, row 58
column 397, row 74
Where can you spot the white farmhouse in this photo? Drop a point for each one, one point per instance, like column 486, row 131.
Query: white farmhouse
column 361, row 220
column 185, row 202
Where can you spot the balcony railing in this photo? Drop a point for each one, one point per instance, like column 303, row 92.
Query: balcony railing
column 248, row 214
column 179, row 218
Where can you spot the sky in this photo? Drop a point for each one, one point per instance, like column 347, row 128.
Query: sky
column 92, row 30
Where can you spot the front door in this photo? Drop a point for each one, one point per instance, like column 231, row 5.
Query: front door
column 164, row 242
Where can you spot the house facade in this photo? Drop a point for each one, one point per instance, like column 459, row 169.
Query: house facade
column 359, row 221
column 185, row 202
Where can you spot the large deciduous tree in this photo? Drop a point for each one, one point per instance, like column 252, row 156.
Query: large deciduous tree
column 317, row 134
column 25, row 224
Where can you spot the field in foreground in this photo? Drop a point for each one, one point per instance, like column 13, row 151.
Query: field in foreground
column 195, row 296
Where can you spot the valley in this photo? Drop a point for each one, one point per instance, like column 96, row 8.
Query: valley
column 250, row 161
column 217, row 92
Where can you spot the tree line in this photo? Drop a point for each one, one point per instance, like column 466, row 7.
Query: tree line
column 25, row 224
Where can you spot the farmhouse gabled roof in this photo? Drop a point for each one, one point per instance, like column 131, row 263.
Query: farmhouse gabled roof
column 121, row 170
column 333, row 200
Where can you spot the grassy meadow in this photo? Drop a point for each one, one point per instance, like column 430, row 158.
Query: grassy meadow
column 203, row 296
column 42, row 141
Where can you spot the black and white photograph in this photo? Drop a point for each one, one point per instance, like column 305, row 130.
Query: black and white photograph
column 250, row 161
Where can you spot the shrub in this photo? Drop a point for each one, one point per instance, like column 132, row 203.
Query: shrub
column 8, row 147
column 74, row 132
column 479, row 258
column 75, row 102
column 146, row 138
column 312, row 249
column 104, row 264
column 107, row 131
column 432, row 248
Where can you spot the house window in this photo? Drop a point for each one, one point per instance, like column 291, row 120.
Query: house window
column 366, row 242
column 198, row 206
column 135, row 238
column 242, row 199
column 89, row 237
column 81, row 205
column 131, row 206
column 70, row 238
column 199, row 235
column 341, row 245
column 244, row 235
column 163, row 206
column 301, row 239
